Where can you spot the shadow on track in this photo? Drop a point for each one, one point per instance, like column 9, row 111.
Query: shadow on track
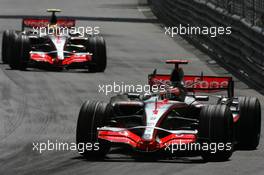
column 84, row 18
column 129, row 156
column 182, row 160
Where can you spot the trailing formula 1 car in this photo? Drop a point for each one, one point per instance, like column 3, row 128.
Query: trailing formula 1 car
column 160, row 120
column 53, row 47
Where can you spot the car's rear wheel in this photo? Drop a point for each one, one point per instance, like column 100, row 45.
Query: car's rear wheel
column 93, row 114
column 20, row 55
column 216, row 132
column 96, row 45
column 249, row 123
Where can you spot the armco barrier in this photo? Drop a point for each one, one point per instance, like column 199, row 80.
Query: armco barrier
column 242, row 51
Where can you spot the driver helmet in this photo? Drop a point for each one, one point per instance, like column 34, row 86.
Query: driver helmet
column 173, row 93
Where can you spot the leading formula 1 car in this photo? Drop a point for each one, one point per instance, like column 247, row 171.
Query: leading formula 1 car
column 53, row 48
column 154, row 122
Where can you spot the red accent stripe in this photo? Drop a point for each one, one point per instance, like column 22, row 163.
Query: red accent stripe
column 41, row 58
column 135, row 141
column 67, row 61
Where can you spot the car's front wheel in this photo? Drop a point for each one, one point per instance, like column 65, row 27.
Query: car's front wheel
column 96, row 45
column 216, row 132
column 249, row 123
column 6, row 46
column 93, row 114
column 20, row 55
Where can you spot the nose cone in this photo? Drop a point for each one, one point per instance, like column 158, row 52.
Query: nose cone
column 59, row 43
column 148, row 146
column 155, row 110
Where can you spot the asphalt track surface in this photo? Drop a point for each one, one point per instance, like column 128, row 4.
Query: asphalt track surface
column 37, row 105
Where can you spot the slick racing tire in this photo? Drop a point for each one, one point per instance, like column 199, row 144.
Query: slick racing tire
column 249, row 123
column 93, row 114
column 20, row 55
column 6, row 45
column 96, row 45
column 216, row 131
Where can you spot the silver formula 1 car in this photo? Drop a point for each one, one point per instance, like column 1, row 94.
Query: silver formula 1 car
column 32, row 47
column 157, row 122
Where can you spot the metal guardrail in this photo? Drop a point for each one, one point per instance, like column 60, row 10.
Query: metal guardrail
column 242, row 51
column 251, row 10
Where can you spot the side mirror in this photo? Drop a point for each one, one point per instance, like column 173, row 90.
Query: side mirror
column 201, row 97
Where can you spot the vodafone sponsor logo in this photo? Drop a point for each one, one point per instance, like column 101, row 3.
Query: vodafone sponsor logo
column 45, row 22
column 206, row 83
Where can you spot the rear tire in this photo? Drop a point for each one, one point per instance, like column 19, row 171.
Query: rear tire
column 96, row 45
column 92, row 115
column 20, row 55
column 249, row 123
column 216, row 127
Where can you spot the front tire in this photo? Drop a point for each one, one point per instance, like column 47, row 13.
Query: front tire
column 20, row 55
column 93, row 114
column 5, row 46
column 216, row 127
column 249, row 123
column 96, row 45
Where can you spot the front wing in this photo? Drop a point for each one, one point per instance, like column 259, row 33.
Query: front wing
column 42, row 57
column 125, row 136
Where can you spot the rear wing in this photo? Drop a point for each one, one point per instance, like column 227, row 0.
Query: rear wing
column 44, row 22
column 193, row 83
